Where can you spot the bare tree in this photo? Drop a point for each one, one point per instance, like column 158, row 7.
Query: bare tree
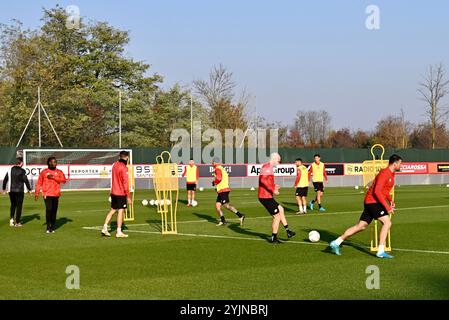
column 432, row 89
column 392, row 131
column 313, row 127
column 220, row 86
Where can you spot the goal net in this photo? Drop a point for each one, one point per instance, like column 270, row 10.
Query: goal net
column 85, row 169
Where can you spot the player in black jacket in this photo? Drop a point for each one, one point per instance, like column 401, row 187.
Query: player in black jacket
column 14, row 184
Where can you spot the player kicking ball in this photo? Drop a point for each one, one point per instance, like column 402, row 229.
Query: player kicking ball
column 221, row 183
column 267, row 189
column 376, row 207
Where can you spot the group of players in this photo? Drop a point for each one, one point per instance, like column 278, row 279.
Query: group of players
column 378, row 203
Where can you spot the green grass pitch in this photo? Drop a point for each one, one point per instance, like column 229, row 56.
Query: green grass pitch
column 209, row 262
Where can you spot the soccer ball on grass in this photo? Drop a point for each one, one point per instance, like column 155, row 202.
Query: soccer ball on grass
column 314, row 236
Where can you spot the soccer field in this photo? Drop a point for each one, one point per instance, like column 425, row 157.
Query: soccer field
column 209, row 262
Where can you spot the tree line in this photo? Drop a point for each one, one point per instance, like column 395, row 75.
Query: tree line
column 82, row 70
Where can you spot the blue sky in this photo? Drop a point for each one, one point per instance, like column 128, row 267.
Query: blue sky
column 289, row 55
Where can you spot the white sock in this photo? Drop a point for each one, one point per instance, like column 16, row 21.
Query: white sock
column 381, row 249
column 105, row 227
column 339, row 241
column 300, row 209
column 305, row 208
column 119, row 230
column 190, row 201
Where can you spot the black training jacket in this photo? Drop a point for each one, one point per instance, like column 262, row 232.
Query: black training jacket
column 18, row 179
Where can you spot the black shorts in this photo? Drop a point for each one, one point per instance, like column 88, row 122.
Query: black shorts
column 223, row 197
column 191, row 187
column 373, row 211
column 302, row 192
column 271, row 205
column 319, row 186
column 118, row 202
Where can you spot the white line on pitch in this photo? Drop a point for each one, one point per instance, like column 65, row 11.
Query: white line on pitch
column 292, row 216
column 258, row 239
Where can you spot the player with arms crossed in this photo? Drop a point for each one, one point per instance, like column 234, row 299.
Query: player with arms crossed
column 221, row 183
column 318, row 172
column 191, row 173
column 302, row 186
column 267, row 189
column 120, row 195
column 376, row 207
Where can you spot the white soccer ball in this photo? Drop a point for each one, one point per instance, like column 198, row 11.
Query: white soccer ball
column 194, row 203
column 144, row 202
column 109, row 199
column 156, row 202
column 152, row 202
column 201, row 189
column 314, row 236
column 167, row 202
column 447, row 186
column 356, row 187
column 252, row 188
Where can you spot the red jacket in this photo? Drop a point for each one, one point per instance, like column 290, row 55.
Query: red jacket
column 266, row 182
column 380, row 190
column 50, row 187
column 120, row 179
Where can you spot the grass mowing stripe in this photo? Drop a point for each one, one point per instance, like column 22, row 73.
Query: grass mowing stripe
column 289, row 216
column 257, row 239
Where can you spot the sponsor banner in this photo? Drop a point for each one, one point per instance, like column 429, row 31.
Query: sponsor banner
column 234, row 170
column 443, row 167
column 288, row 170
column 354, row 169
column 146, row 171
column 335, row 169
column 282, row 170
column 414, row 168
column 205, row 171
column 90, row 172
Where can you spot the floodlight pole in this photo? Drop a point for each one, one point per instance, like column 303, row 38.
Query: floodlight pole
column 39, row 114
column 120, row 119
column 39, row 107
column 191, row 121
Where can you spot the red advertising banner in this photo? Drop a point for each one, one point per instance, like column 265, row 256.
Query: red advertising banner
column 414, row 168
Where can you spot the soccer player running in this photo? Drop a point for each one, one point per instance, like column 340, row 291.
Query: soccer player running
column 120, row 195
column 302, row 186
column 13, row 183
column 267, row 189
column 318, row 171
column 191, row 173
column 378, row 205
column 221, row 183
column 49, row 182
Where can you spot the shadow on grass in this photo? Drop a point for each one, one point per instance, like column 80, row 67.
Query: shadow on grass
column 29, row 218
column 206, row 217
column 114, row 226
column 61, row 222
column 328, row 236
column 234, row 227
column 238, row 229
column 182, row 201
column 155, row 223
